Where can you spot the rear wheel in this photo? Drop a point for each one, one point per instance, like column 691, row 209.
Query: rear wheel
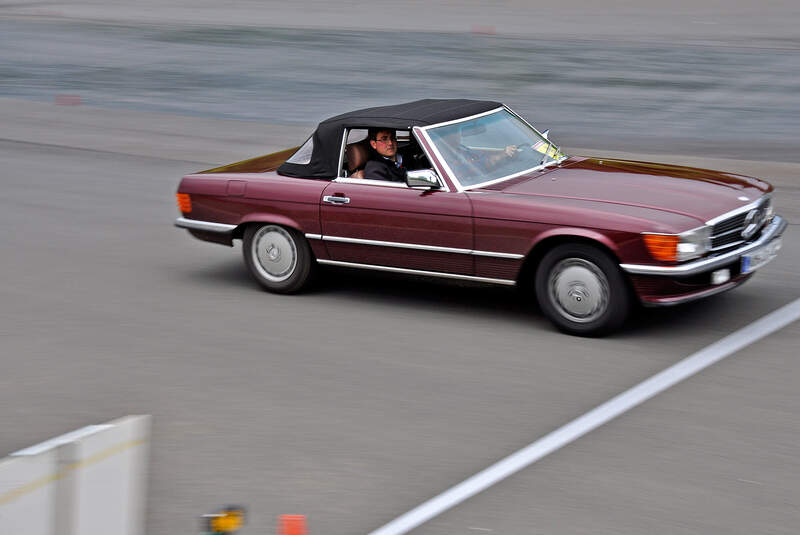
column 279, row 258
column 581, row 290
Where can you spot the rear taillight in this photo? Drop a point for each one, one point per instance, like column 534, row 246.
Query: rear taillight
column 184, row 202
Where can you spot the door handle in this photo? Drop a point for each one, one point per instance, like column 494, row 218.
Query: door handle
column 335, row 199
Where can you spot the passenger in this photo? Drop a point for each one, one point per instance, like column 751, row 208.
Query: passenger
column 387, row 163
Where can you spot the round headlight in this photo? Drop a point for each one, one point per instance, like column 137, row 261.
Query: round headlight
column 694, row 243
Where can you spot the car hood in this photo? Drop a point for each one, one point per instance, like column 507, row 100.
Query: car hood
column 699, row 193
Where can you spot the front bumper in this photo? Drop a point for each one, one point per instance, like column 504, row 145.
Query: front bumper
column 671, row 285
column 702, row 265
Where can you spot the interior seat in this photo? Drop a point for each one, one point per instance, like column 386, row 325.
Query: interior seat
column 356, row 156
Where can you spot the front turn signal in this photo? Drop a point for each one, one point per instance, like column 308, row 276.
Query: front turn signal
column 662, row 246
column 184, row 202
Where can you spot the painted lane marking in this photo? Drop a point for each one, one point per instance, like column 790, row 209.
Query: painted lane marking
column 751, row 482
column 593, row 419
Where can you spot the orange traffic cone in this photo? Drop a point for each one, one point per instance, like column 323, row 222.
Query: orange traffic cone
column 292, row 525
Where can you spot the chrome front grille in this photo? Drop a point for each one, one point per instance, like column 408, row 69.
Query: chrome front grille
column 728, row 232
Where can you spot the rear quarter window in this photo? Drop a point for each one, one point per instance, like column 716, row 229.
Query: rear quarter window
column 303, row 154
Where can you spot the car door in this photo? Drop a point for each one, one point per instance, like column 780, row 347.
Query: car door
column 379, row 223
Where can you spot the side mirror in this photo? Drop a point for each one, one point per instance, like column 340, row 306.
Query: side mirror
column 546, row 133
column 423, row 179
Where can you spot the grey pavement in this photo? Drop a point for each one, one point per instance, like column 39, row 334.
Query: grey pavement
column 360, row 399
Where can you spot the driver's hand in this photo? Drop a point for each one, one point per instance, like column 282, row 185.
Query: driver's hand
column 511, row 150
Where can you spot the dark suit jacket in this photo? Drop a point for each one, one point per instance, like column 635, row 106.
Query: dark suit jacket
column 384, row 169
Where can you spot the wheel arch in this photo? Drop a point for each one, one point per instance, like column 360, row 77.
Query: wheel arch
column 548, row 240
column 265, row 219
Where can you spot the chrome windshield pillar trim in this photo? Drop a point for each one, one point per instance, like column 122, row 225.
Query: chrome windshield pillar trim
column 420, row 131
column 419, row 247
column 461, row 187
column 504, row 282
column 771, row 231
column 314, row 236
column 462, row 119
column 207, row 226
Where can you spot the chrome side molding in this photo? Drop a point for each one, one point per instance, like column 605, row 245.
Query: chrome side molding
column 419, row 247
column 504, row 282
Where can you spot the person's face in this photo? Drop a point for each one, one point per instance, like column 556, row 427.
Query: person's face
column 385, row 143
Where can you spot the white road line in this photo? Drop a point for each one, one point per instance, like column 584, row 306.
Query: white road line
column 593, row 419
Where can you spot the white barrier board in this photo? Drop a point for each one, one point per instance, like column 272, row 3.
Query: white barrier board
column 88, row 482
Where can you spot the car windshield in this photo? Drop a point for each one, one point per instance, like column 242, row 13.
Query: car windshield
column 492, row 147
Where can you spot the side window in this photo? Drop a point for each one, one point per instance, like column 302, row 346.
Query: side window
column 356, row 134
column 357, row 152
column 303, row 154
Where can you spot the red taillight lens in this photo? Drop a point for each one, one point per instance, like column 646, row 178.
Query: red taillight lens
column 184, row 202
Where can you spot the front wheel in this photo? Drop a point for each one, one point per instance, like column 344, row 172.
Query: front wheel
column 278, row 258
column 581, row 290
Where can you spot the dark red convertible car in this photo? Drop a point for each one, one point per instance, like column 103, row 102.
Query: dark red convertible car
column 488, row 198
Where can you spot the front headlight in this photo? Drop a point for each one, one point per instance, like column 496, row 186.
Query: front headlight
column 769, row 210
column 679, row 247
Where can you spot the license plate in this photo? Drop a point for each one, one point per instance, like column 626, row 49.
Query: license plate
column 755, row 259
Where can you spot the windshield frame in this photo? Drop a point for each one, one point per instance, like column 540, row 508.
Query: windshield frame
column 454, row 177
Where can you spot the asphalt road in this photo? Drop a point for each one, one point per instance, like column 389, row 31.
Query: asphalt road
column 360, row 399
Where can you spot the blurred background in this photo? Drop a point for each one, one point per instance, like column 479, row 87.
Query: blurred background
column 357, row 401
column 710, row 77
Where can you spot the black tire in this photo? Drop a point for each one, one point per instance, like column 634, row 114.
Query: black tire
column 279, row 258
column 580, row 288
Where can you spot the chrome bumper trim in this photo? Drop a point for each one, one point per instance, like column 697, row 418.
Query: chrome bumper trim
column 504, row 282
column 771, row 231
column 207, row 226
column 419, row 247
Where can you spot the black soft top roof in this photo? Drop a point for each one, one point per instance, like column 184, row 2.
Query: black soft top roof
column 327, row 138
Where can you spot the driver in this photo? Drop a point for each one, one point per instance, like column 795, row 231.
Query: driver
column 478, row 160
column 388, row 165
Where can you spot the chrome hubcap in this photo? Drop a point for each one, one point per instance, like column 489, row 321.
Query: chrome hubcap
column 579, row 290
column 274, row 253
